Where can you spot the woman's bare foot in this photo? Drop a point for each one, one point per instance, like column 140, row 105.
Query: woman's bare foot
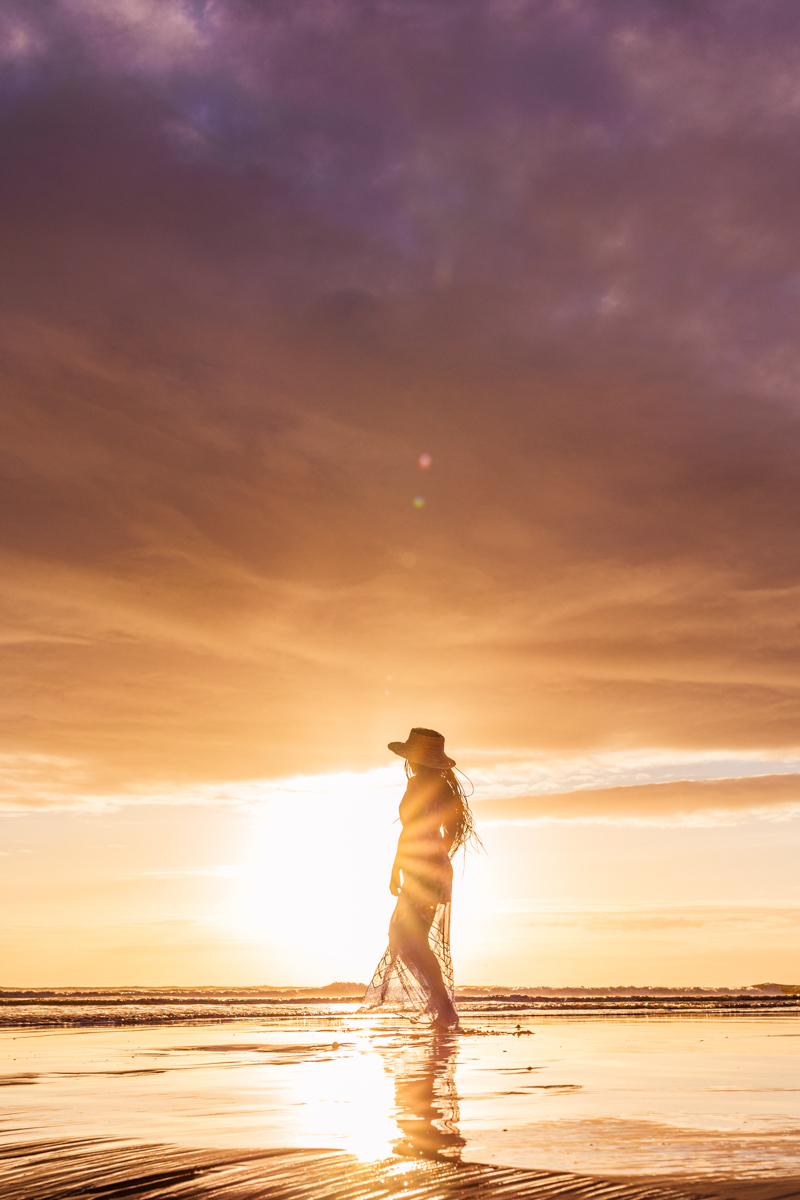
column 446, row 1018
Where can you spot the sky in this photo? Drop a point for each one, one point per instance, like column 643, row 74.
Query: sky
column 379, row 363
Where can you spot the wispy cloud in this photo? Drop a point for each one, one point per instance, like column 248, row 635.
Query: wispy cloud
column 684, row 801
column 219, row 872
column 656, row 918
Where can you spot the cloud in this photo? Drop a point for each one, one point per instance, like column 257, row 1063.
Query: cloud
column 257, row 260
column 682, row 801
column 144, row 32
column 724, row 919
column 218, row 872
column 35, row 783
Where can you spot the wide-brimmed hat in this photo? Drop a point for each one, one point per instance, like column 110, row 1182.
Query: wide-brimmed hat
column 427, row 749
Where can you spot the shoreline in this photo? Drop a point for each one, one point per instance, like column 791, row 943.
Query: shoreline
column 156, row 1008
column 59, row 1169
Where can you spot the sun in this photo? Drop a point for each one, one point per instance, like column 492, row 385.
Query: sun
column 317, row 873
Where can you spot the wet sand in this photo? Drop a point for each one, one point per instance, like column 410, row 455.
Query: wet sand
column 56, row 1170
column 334, row 1104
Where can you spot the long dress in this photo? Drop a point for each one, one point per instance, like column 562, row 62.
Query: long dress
column 415, row 975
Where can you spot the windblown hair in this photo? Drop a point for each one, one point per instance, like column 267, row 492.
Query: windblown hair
column 466, row 833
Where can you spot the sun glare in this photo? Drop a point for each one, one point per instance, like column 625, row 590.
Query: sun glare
column 318, row 866
column 351, row 1105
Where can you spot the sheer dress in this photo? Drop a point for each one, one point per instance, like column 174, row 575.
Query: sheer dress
column 415, row 975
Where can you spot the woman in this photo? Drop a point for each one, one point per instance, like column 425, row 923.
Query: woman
column 415, row 974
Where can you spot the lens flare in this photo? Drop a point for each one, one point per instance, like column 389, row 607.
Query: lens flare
column 425, row 461
column 419, row 502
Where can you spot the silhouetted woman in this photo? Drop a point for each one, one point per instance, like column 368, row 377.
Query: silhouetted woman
column 415, row 975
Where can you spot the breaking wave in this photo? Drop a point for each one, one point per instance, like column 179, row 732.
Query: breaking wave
column 79, row 1007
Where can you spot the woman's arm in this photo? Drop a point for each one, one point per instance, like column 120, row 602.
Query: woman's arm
column 396, row 881
column 449, row 826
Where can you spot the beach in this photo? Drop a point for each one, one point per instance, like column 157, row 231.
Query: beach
column 563, row 1095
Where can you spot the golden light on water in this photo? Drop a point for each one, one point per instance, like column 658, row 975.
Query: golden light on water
column 351, row 1104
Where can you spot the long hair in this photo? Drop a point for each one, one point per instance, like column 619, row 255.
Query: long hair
column 466, row 833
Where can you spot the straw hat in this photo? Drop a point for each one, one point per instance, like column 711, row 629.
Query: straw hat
column 424, row 746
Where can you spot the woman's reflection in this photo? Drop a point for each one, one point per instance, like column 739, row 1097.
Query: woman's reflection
column 426, row 1099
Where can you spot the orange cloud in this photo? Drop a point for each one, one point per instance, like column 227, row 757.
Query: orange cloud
column 706, row 801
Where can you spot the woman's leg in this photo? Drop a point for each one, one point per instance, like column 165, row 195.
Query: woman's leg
column 414, row 948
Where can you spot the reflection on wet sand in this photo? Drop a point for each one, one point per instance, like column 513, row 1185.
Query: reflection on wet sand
column 715, row 1098
column 426, row 1099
